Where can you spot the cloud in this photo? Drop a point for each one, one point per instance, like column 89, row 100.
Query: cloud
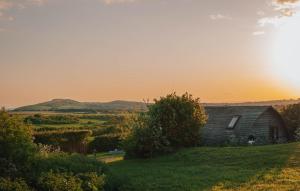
column 286, row 1
column 108, row 2
column 286, row 7
column 7, row 5
column 285, row 10
column 219, row 17
column 258, row 33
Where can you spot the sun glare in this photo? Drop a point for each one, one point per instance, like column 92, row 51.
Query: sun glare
column 285, row 53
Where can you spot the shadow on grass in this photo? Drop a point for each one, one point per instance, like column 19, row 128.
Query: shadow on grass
column 206, row 168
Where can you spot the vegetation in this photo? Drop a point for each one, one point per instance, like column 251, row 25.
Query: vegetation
column 52, row 119
column 171, row 123
column 273, row 167
column 291, row 116
column 105, row 143
column 16, row 146
column 68, row 141
column 13, row 185
column 26, row 166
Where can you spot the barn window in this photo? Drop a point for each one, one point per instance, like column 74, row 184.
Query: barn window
column 233, row 121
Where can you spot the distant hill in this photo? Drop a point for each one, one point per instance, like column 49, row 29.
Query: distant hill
column 68, row 105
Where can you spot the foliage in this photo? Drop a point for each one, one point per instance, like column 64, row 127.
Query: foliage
column 69, row 141
column 104, row 143
column 44, row 167
column 145, row 141
column 297, row 134
column 92, row 181
column 59, row 182
column 180, row 118
column 69, row 163
column 272, row 167
column 171, row 123
column 62, row 181
column 89, row 173
column 16, row 145
column 51, row 119
column 6, row 184
column 291, row 116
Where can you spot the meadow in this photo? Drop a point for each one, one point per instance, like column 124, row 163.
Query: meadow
column 273, row 167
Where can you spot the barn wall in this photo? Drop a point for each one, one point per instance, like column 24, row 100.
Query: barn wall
column 259, row 129
column 262, row 128
column 216, row 132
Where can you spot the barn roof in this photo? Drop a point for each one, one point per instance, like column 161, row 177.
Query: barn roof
column 220, row 116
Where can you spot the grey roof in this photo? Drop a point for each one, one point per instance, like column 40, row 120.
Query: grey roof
column 221, row 116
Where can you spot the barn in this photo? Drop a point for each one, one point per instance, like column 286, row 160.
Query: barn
column 239, row 125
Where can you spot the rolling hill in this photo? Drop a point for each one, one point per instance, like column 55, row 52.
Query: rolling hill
column 68, row 105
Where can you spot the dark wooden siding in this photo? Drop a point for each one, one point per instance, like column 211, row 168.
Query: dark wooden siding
column 254, row 121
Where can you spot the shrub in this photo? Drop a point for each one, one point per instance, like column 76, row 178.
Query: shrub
column 16, row 145
column 92, row 181
column 172, row 122
column 59, row 182
column 104, row 143
column 62, row 162
column 68, row 141
column 13, row 185
column 145, row 141
column 291, row 116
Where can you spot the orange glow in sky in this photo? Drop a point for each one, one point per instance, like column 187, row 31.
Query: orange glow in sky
column 102, row 50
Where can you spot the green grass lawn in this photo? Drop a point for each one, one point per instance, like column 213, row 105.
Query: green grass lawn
column 275, row 167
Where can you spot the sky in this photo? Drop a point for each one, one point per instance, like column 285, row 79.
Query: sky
column 103, row 50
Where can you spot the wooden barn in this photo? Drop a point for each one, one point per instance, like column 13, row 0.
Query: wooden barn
column 240, row 125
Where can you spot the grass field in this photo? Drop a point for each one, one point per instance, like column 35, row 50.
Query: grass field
column 269, row 168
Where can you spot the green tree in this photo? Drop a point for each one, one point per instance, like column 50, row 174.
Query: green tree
column 180, row 118
column 171, row 122
column 16, row 145
column 291, row 116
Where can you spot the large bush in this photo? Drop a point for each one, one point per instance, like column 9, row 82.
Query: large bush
column 180, row 118
column 145, row 140
column 171, row 122
column 291, row 116
column 16, row 146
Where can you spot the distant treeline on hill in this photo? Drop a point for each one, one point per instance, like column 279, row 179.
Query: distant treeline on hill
column 67, row 105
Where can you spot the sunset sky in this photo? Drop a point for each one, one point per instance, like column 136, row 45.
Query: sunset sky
column 103, row 50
